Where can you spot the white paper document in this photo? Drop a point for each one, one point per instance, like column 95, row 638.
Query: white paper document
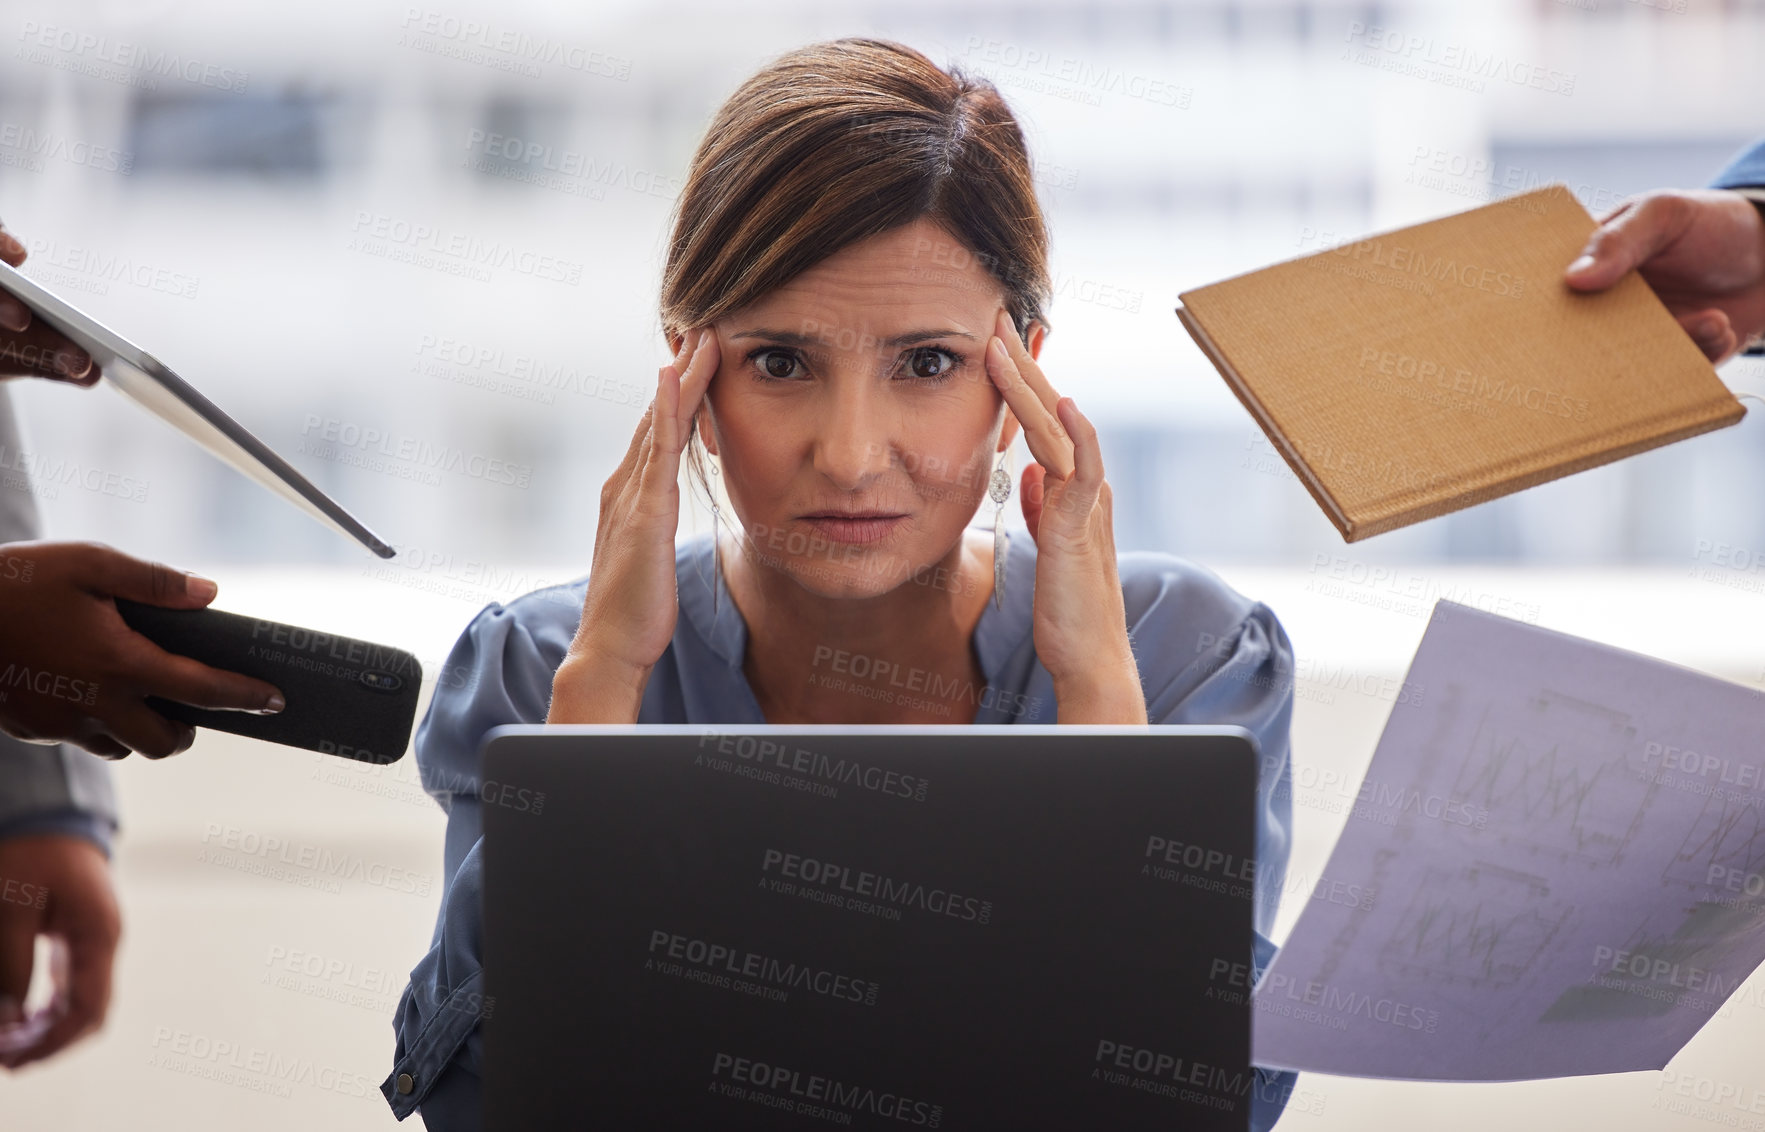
column 1564, row 846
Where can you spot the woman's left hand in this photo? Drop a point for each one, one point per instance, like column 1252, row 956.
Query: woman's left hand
column 1080, row 623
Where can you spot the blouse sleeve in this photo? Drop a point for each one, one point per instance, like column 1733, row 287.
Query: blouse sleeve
column 1208, row 655
column 499, row 672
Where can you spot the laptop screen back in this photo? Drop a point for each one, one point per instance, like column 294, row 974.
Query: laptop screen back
column 937, row 927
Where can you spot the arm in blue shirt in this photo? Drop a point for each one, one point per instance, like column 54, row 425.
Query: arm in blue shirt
column 1208, row 655
column 46, row 789
column 1747, row 170
column 499, row 672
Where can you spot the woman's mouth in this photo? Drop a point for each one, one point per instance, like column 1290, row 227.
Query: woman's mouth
column 855, row 526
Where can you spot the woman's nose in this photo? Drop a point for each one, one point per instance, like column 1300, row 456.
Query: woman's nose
column 853, row 444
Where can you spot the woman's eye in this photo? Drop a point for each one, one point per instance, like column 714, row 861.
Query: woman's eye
column 777, row 363
column 930, row 362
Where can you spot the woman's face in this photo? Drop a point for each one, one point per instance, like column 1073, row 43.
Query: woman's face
column 853, row 415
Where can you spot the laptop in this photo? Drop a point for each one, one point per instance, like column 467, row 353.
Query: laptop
column 940, row 927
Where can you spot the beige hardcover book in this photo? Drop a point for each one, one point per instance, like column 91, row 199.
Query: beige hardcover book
column 1419, row 371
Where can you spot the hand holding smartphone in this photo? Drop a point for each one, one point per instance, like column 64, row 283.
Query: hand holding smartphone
column 346, row 697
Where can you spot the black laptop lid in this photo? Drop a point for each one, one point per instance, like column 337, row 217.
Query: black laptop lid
column 964, row 927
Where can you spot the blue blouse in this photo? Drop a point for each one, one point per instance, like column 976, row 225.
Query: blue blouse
column 1206, row 655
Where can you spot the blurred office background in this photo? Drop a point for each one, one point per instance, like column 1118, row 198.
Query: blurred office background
column 416, row 249
column 255, row 223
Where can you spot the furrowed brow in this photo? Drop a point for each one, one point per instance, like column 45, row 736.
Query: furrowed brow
column 794, row 338
column 788, row 337
column 914, row 337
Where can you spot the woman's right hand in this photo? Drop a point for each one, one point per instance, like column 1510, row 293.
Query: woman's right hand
column 628, row 616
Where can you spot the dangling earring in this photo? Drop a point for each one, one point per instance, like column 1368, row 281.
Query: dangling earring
column 999, row 490
column 716, row 551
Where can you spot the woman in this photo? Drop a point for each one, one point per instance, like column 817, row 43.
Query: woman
column 854, row 293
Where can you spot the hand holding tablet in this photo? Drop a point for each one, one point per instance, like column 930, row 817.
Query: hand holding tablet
column 58, row 326
column 28, row 348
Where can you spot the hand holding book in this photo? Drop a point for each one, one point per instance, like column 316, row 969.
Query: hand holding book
column 1415, row 372
column 1701, row 250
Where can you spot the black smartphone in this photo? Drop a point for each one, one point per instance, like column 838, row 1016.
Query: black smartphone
column 354, row 699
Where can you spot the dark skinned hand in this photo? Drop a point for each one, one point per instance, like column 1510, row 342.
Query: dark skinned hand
column 27, row 347
column 72, row 671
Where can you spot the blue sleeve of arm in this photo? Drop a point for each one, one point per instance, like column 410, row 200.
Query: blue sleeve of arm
column 1747, row 170
column 499, row 672
column 55, row 788
column 1226, row 660
column 1210, row 656
column 70, row 823
column 1249, row 681
column 1272, row 1088
column 439, row 1012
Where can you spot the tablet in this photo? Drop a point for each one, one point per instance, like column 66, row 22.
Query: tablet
column 148, row 381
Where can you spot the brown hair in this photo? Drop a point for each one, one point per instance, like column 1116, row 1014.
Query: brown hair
column 836, row 142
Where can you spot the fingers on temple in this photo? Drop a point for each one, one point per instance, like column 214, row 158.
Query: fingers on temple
column 696, row 378
column 638, row 453
column 635, row 448
column 691, row 368
column 1087, row 451
column 1032, row 374
column 1018, row 377
column 657, row 461
column 1042, row 432
column 665, row 426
